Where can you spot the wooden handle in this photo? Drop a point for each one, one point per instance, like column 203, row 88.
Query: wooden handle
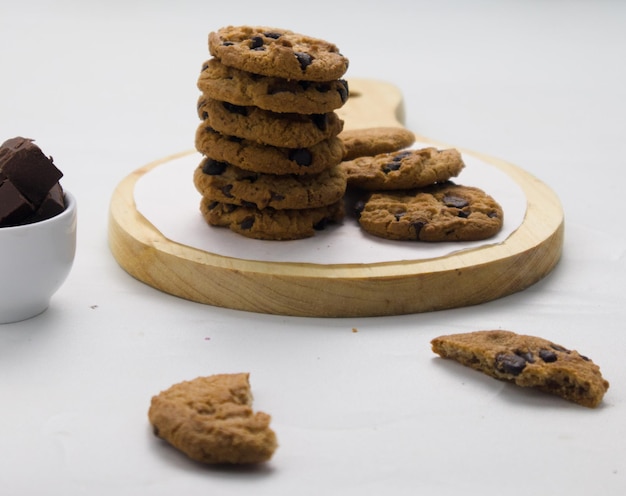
column 372, row 104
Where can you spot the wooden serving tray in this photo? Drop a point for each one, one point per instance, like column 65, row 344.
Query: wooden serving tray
column 464, row 278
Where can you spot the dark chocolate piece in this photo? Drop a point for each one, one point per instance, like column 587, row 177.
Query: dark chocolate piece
column 28, row 168
column 52, row 205
column 13, row 206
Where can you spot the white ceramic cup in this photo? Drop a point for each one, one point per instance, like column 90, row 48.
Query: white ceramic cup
column 35, row 259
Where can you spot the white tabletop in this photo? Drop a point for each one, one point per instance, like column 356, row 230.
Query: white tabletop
column 106, row 87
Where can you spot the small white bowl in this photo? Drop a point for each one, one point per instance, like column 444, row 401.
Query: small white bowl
column 35, row 259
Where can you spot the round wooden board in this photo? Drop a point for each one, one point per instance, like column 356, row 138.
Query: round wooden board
column 348, row 290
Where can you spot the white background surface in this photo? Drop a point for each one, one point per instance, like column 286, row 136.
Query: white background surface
column 106, row 87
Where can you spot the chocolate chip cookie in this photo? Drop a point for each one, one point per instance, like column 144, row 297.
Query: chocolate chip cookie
column 210, row 419
column 403, row 169
column 292, row 130
column 271, row 93
column 443, row 212
column 252, row 156
column 223, row 182
column 268, row 223
column 375, row 141
column 278, row 53
column 527, row 361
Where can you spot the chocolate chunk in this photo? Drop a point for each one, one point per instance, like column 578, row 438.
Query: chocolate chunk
column 304, row 59
column 548, row 356
column 213, row 167
column 510, row 363
column 13, row 206
column 53, row 205
column 301, row 156
column 30, row 171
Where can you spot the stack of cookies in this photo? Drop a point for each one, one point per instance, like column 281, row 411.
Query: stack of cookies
column 269, row 133
column 407, row 195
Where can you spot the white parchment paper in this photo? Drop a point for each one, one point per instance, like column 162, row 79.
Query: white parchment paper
column 168, row 199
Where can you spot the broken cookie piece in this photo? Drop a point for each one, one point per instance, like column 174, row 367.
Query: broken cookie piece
column 527, row 361
column 210, row 419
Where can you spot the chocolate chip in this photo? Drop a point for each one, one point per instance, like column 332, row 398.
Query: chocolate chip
column 213, row 167
column 418, row 225
column 280, row 87
column 322, row 87
column 455, row 201
column 320, row 121
column 510, row 363
column 205, row 116
column 463, row 214
column 301, row 156
column 212, row 205
column 226, row 191
column 547, row 356
column 276, row 196
column 343, row 90
column 392, row 166
column 273, row 35
column 526, row 355
column 247, row 223
column 399, row 215
column 256, row 42
column 235, row 109
column 248, row 204
column 228, row 43
column 399, row 156
column 558, row 347
column 492, row 215
column 304, row 59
